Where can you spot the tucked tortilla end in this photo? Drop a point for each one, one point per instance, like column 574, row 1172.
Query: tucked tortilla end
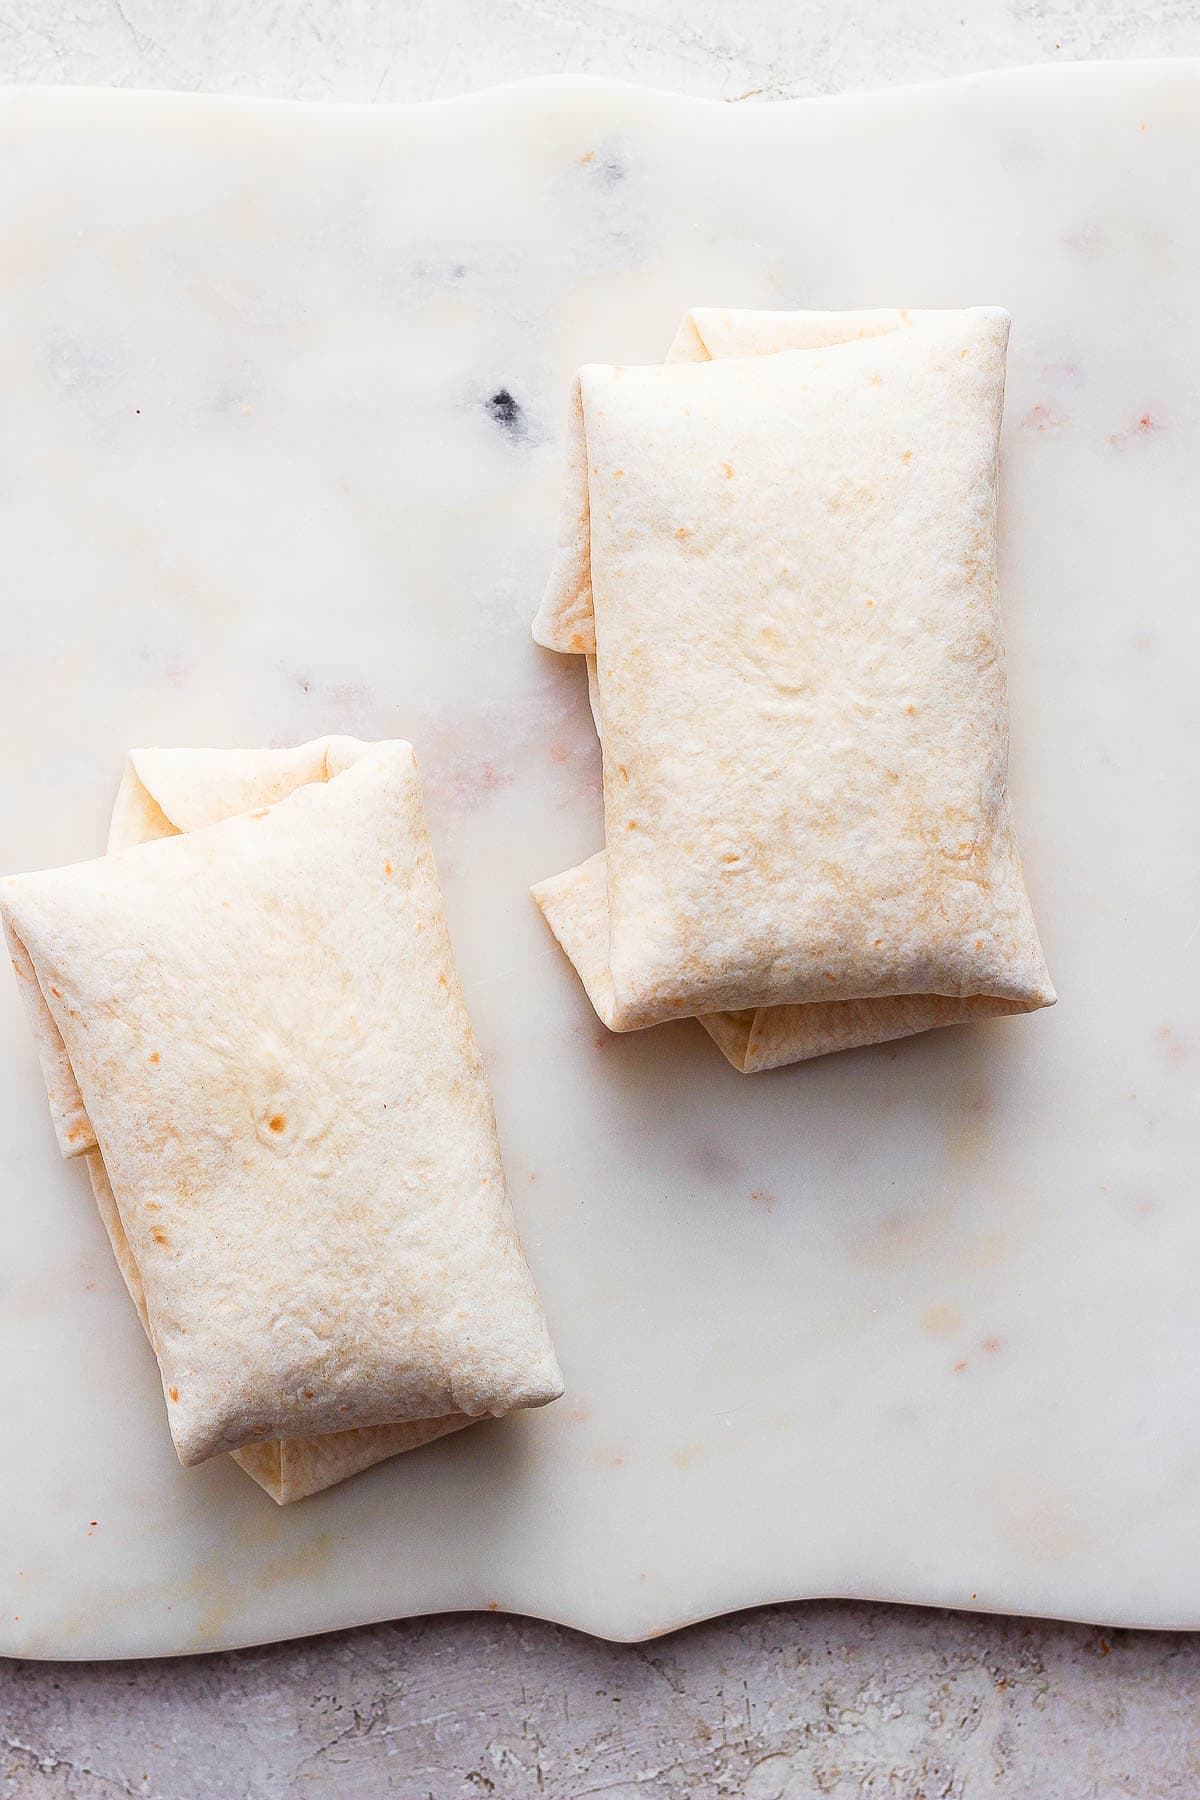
column 291, row 1469
column 731, row 1032
column 772, row 1037
column 68, row 1114
column 575, row 907
column 565, row 620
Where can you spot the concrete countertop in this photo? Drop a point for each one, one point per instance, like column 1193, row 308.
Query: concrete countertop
column 835, row 1699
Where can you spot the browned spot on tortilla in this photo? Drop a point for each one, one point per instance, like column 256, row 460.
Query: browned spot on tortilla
column 588, row 156
column 76, row 1131
column 154, row 1056
column 910, row 710
column 622, row 771
column 877, row 381
column 277, row 1123
column 160, row 1237
column 878, row 942
column 57, row 992
column 174, row 1393
column 870, row 603
column 442, row 982
column 153, row 1206
column 828, row 975
column 632, row 825
column 577, row 643
column 979, row 943
column 959, row 1367
column 308, row 1394
column 493, row 1606
column 728, row 472
column 618, row 474
column 260, row 814
column 682, row 531
column 387, row 868
column 906, row 456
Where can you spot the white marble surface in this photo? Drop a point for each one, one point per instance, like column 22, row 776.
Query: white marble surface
column 60, row 1724
column 829, row 1330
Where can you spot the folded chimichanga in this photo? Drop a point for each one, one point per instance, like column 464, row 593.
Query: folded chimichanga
column 779, row 557
column 253, row 1029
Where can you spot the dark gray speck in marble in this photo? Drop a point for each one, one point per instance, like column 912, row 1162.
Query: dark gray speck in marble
column 508, row 412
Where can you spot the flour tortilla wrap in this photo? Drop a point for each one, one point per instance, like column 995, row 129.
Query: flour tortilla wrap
column 779, row 563
column 253, row 1030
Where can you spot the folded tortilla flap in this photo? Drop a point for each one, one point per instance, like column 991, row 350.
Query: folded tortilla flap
column 293, row 1468
column 564, row 621
column 798, row 679
column 709, row 332
column 772, row 1036
column 266, row 1026
column 72, row 1127
column 168, row 791
column 575, row 906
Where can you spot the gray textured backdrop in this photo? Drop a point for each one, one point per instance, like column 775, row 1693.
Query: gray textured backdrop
column 848, row 1701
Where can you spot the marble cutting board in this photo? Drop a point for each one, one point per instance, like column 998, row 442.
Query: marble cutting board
column 283, row 389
